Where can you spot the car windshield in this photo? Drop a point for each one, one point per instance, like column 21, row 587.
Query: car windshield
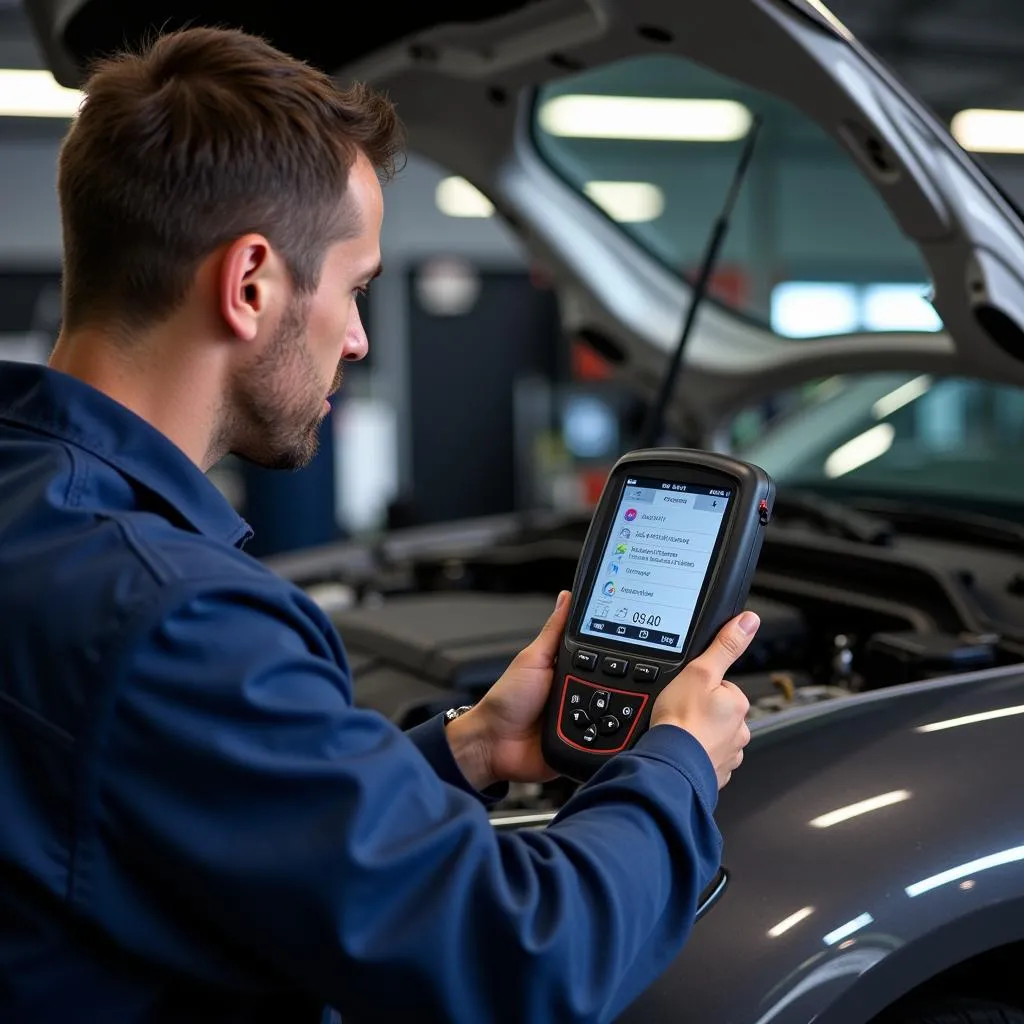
column 958, row 441
column 652, row 141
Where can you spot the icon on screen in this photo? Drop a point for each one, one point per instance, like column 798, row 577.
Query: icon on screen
column 601, row 609
column 621, row 630
column 644, row 634
column 630, row 515
column 613, row 567
column 624, row 533
column 621, row 549
column 608, row 589
column 621, row 613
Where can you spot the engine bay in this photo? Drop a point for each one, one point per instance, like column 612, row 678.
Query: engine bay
column 432, row 617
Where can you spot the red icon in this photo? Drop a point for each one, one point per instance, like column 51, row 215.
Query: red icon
column 630, row 515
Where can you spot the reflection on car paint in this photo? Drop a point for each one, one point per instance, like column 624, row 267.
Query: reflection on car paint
column 874, row 803
column 973, row 867
column 983, row 716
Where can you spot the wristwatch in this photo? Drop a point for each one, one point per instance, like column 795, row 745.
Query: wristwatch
column 452, row 713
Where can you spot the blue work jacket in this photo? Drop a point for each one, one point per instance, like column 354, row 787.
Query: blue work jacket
column 198, row 825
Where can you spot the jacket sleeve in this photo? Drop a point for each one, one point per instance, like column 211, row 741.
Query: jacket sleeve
column 432, row 743
column 247, row 823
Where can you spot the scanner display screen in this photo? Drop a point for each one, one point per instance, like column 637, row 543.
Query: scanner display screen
column 654, row 562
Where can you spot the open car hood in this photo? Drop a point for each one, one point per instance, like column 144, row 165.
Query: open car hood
column 464, row 86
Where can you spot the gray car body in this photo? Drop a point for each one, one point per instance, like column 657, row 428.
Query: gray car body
column 940, row 873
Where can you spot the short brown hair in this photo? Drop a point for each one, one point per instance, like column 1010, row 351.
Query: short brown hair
column 199, row 138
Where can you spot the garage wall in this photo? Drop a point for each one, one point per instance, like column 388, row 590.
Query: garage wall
column 413, row 226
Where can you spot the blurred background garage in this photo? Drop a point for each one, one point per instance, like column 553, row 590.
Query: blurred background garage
column 812, row 251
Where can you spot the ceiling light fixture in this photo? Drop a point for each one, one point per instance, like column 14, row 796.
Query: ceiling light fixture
column 830, row 18
column 35, row 94
column 456, row 197
column 628, row 202
column 808, row 309
column 898, row 307
column 644, row 118
column 989, row 131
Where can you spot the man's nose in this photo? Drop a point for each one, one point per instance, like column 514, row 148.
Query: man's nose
column 356, row 343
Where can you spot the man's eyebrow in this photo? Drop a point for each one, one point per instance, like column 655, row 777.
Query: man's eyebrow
column 376, row 272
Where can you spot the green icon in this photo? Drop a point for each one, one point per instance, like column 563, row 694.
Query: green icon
column 620, row 549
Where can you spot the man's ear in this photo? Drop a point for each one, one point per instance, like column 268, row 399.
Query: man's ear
column 246, row 285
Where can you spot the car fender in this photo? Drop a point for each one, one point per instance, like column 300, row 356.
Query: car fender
column 869, row 845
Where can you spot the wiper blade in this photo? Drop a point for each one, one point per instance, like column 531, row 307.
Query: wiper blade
column 848, row 523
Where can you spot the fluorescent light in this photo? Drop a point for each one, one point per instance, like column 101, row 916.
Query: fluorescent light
column 993, row 860
column 830, row 18
column 983, row 716
column 898, row 307
column 790, row 922
column 645, row 118
column 35, row 94
column 844, row 931
column 903, row 395
column 989, row 131
column 861, row 450
column 805, row 309
column 627, row 201
column 456, row 197
column 875, row 803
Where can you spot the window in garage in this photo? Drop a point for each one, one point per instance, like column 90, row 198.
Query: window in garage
column 812, row 250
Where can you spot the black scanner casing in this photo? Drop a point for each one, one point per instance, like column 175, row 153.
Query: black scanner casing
column 723, row 595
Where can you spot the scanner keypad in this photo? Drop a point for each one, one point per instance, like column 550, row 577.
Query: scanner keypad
column 598, row 717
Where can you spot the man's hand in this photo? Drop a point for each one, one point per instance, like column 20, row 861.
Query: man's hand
column 499, row 740
column 704, row 703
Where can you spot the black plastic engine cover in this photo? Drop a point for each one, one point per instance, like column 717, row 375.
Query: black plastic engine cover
column 415, row 655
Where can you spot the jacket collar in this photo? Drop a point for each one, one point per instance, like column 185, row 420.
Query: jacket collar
column 54, row 403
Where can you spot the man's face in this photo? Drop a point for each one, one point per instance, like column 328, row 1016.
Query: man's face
column 281, row 397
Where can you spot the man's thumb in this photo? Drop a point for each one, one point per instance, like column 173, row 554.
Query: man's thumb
column 546, row 644
column 732, row 640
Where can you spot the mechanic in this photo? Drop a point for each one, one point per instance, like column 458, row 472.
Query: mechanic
column 198, row 825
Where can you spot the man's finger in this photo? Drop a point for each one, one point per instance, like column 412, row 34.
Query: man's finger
column 732, row 640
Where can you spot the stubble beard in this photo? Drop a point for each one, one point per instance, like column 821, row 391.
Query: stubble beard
column 278, row 409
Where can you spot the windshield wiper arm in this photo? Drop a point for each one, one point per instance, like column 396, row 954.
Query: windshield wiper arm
column 849, row 523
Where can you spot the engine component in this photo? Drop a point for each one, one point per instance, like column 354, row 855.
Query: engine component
column 894, row 658
column 414, row 655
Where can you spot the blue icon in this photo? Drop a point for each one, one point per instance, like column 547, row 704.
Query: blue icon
column 613, row 568
column 608, row 589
